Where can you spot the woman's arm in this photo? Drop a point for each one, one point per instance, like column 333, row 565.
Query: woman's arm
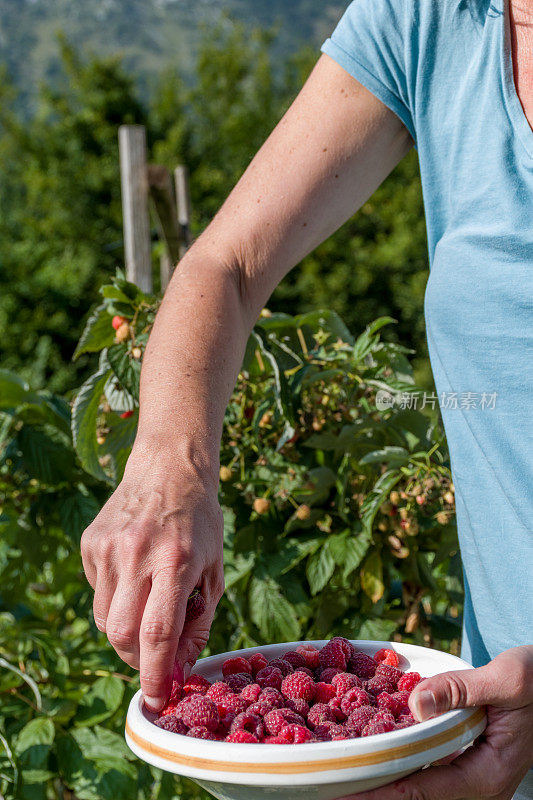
column 160, row 534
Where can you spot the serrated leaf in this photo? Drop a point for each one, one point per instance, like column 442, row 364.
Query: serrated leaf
column 97, row 334
column 126, row 368
column 76, row 512
column 319, row 569
column 372, row 577
column 34, row 743
column 348, row 549
column 367, row 340
column 272, row 613
column 101, row 701
column 119, row 441
column 84, row 415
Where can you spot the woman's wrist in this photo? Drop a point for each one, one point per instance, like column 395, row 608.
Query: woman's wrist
column 166, row 458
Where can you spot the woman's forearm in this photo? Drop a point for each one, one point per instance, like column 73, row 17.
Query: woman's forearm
column 192, row 361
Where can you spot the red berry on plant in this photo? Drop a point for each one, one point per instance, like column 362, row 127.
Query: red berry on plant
column 126, row 414
column 116, row 322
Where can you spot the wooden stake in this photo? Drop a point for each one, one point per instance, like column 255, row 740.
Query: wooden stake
column 137, row 242
column 183, row 199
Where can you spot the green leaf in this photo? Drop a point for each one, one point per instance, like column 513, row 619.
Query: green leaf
column 368, row 340
column 377, row 629
column 13, row 390
column 84, row 416
column 46, row 455
column 320, row 568
column 97, row 334
column 376, row 497
column 372, row 577
column 284, row 397
column 126, row 368
column 34, row 743
column 101, row 701
column 326, row 320
column 77, row 511
column 393, row 456
column 348, row 549
column 271, row 612
column 119, row 441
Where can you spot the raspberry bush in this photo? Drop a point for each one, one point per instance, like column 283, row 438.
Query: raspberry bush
column 339, row 544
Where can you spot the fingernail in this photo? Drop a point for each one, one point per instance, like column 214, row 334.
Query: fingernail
column 425, row 705
column 153, row 703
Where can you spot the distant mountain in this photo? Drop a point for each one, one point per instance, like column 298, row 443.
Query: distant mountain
column 149, row 34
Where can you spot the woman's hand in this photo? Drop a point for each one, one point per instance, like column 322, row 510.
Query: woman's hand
column 499, row 760
column 157, row 538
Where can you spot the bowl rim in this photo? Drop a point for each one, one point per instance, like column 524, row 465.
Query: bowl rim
column 139, row 723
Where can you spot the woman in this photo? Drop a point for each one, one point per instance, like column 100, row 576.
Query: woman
column 456, row 77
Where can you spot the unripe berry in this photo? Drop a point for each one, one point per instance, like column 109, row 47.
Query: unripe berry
column 420, row 499
column 123, row 332
column 303, row 512
column 225, row 474
column 261, row 505
column 116, row 322
column 449, row 498
column 265, row 313
column 442, row 517
column 137, row 352
column 100, row 440
column 394, row 498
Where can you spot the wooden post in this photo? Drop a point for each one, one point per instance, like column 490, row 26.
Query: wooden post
column 162, row 194
column 166, row 267
column 137, row 241
column 183, row 198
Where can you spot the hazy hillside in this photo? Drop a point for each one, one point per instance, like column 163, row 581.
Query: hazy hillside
column 150, row 34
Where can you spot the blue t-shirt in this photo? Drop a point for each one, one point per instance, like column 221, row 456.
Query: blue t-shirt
column 445, row 68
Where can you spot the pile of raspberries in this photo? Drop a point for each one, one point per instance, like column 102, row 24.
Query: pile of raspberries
column 306, row 695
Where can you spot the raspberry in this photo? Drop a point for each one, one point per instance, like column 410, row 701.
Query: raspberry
column 176, row 693
column 196, row 684
column 295, row 659
column 408, row 681
column 200, row 732
column 234, row 665
column 326, row 731
column 274, row 740
column 279, row 718
column 269, row 676
column 225, row 723
column 344, row 681
column 231, row 704
column 195, row 606
column 273, row 695
column 374, row 727
column 324, row 692
column 389, row 673
column 362, row 665
column 378, row 684
column 402, row 697
column 248, row 722
column 267, row 703
column 311, row 655
column 319, row 714
column 251, row 692
column 359, row 718
column 116, row 322
column 218, row 690
column 261, row 505
column 126, row 414
column 298, row 686
column 169, row 709
column 285, row 666
column 353, row 699
column 407, row 718
column 242, row 737
column 384, row 716
column 296, row 734
column 333, row 655
column 172, row 723
column 388, row 657
column 238, row 681
column 257, row 662
column 335, row 705
column 401, row 725
column 341, row 732
column 327, row 675
column 347, row 647
column 388, row 702
column 306, row 670
column 200, row 711
column 298, row 705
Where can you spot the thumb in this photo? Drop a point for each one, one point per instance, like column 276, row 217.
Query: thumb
column 502, row 682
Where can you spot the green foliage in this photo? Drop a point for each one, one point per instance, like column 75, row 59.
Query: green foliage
column 61, row 226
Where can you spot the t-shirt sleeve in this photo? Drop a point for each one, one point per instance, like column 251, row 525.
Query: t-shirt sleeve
column 371, row 43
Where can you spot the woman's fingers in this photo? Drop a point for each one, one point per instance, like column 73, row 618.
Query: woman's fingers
column 124, row 617
column 105, row 584
column 195, row 634
column 160, row 631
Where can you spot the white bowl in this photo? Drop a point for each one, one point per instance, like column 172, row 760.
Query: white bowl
column 321, row 771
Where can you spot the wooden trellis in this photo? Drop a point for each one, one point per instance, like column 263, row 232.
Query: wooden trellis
column 170, row 200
